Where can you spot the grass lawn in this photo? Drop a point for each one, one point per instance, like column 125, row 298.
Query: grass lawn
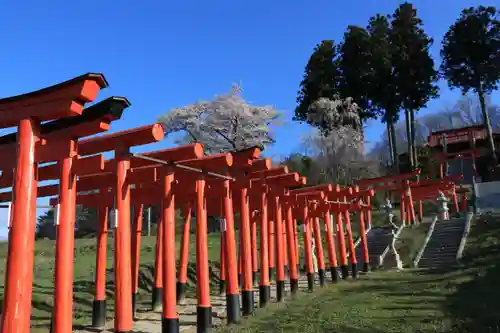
column 462, row 300
column 84, row 274
column 410, row 241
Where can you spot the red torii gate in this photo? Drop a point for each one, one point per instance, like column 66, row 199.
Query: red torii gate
column 110, row 198
column 34, row 143
column 123, row 140
column 390, row 182
column 420, row 185
column 266, row 182
column 338, row 201
column 170, row 320
column 459, row 135
column 431, row 191
column 163, row 169
column 467, row 154
column 277, row 188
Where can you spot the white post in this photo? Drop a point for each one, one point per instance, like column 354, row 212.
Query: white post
column 222, row 226
column 10, row 215
column 56, row 214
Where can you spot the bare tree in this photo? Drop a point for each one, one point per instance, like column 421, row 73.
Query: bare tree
column 226, row 123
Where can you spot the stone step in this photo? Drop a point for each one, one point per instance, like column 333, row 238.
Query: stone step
column 378, row 240
column 441, row 253
column 440, row 245
column 437, row 266
column 379, row 246
column 449, row 230
column 437, row 263
column 443, row 256
column 443, row 237
column 443, row 245
column 375, row 246
column 437, row 244
column 446, row 236
column 444, row 242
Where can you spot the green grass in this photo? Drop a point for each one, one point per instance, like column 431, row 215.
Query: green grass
column 84, row 274
column 410, row 241
column 461, row 300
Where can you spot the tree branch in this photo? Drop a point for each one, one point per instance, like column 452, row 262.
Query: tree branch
column 231, row 142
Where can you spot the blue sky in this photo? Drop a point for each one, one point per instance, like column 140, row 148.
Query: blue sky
column 165, row 54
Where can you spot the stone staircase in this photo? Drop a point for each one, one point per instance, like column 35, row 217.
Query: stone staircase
column 441, row 250
column 378, row 241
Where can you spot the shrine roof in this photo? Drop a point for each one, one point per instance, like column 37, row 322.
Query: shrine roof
column 61, row 100
column 99, row 78
column 459, row 130
column 108, row 110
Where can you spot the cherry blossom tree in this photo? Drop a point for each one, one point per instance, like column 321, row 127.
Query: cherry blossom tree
column 331, row 114
column 226, row 123
column 337, row 145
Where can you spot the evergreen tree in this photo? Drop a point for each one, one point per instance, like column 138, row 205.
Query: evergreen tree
column 471, row 57
column 354, row 69
column 300, row 163
column 320, row 78
column 86, row 222
column 45, row 227
column 383, row 92
column 414, row 73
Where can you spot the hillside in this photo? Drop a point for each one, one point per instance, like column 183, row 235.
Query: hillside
column 461, row 300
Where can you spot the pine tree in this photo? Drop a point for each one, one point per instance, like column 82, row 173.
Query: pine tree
column 383, row 90
column 354, row 70
column 320, row 78
column 45, row 227
column 414, row 73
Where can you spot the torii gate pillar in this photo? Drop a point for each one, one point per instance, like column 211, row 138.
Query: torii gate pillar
column 19, row 271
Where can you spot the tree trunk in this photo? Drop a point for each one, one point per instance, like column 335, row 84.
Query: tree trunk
column 408, row 138
column 394, row 147
column 487, row 124
column 391, row 143
column 413, row 139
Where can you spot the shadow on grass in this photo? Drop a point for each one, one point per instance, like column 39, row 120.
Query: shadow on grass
column 463, row 298
column 84, row 291
column 473, row 306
